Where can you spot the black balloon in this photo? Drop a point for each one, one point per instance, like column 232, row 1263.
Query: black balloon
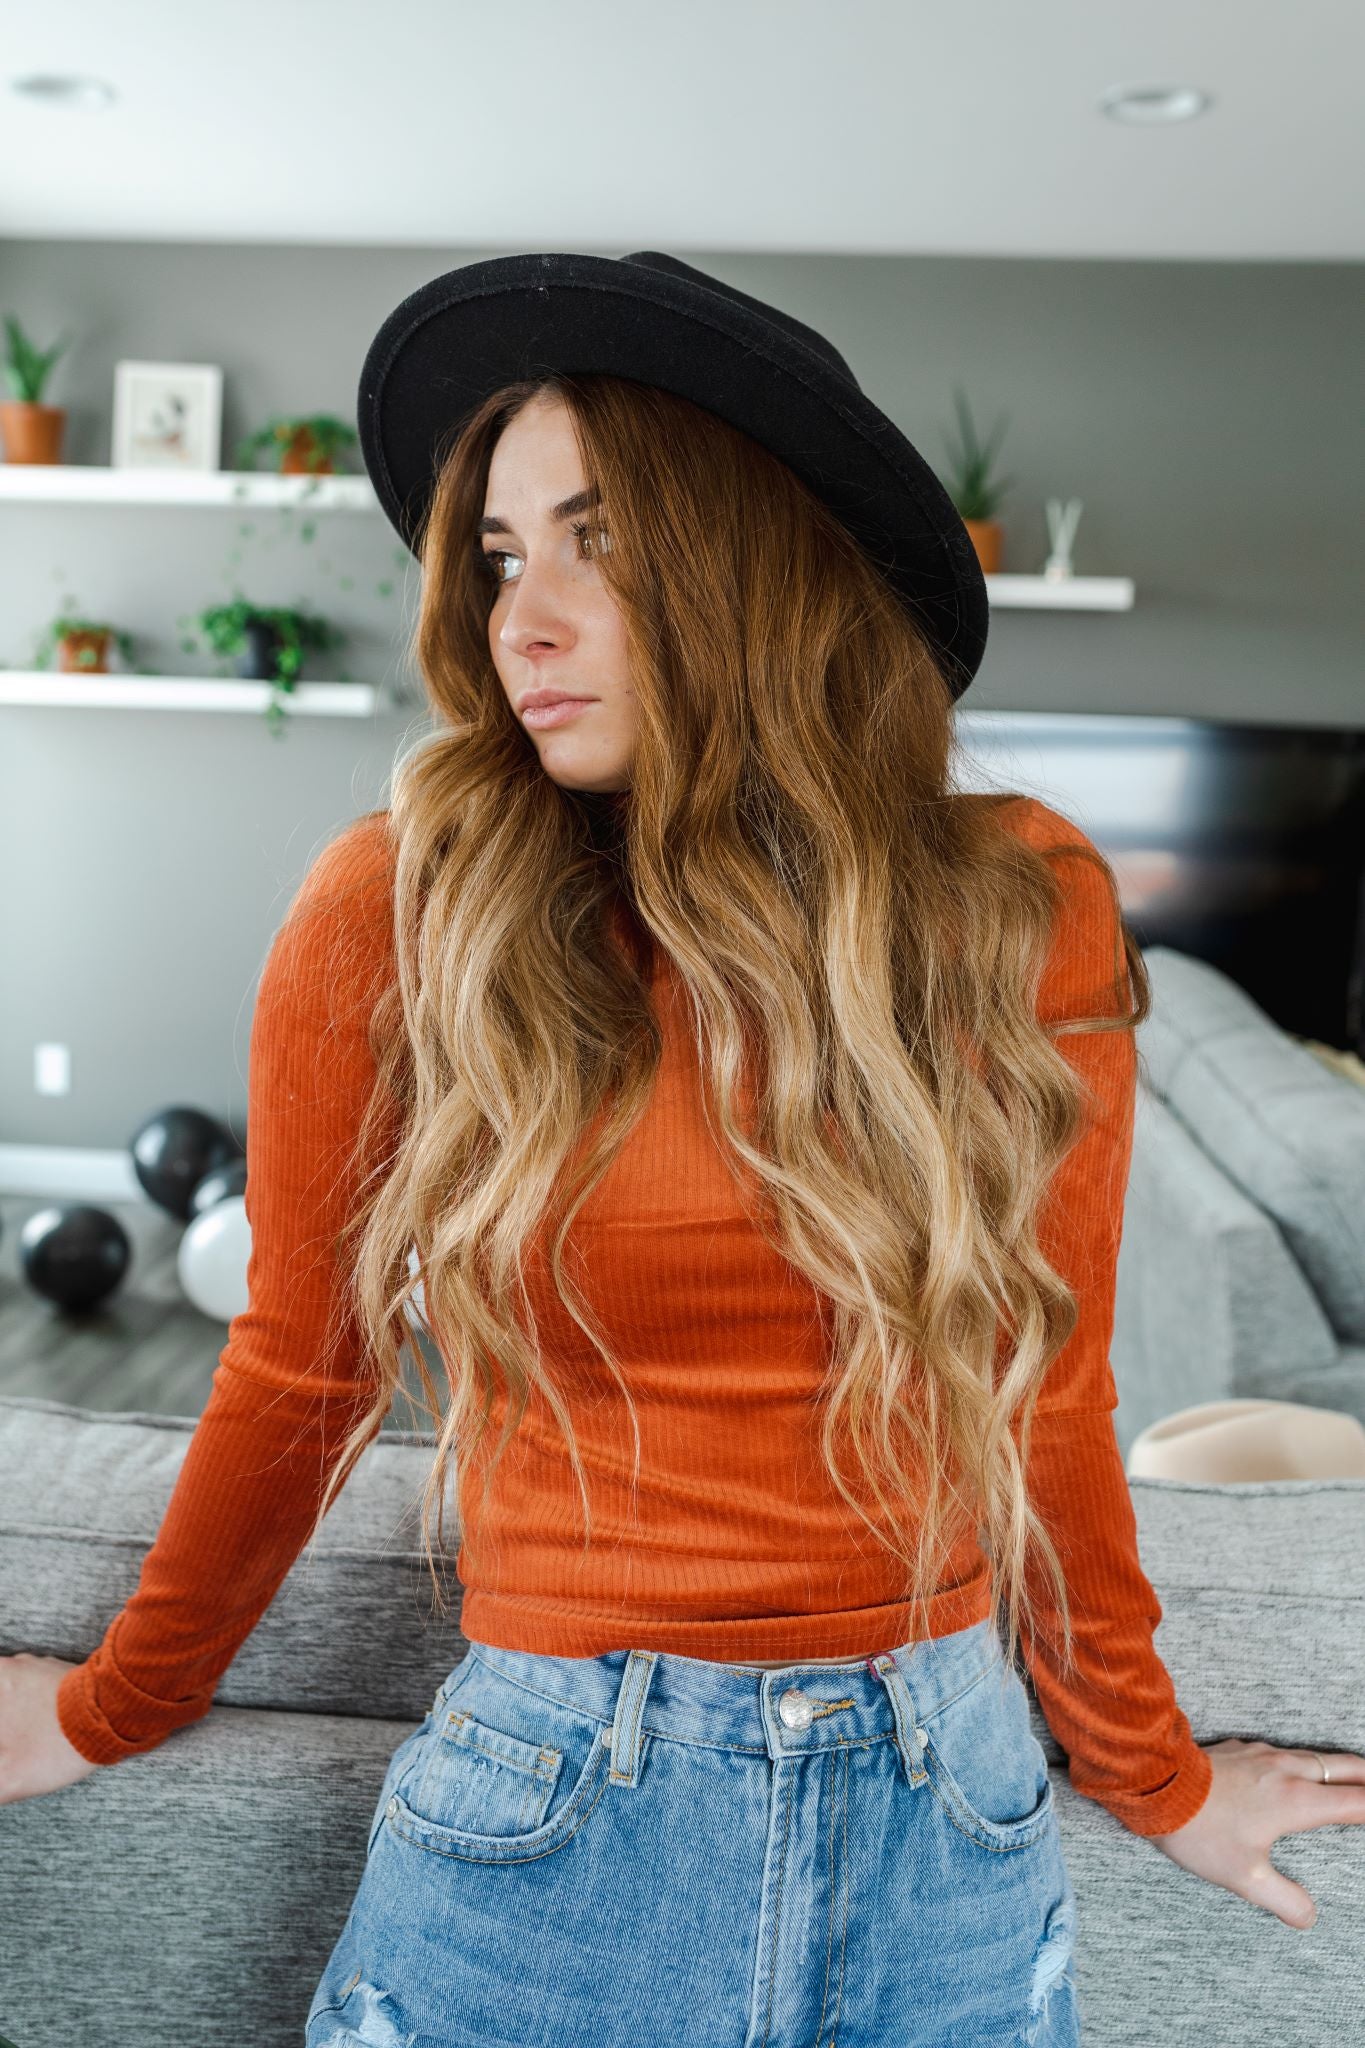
column 218, row 1185
column 74, row 1254
column 174, row 1150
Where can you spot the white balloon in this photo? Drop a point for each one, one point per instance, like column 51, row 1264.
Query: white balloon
column 213, row 1258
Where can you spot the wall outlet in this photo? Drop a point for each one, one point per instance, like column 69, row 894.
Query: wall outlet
column 52, row 1069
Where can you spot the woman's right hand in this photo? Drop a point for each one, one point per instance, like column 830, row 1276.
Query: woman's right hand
column 35, row 1756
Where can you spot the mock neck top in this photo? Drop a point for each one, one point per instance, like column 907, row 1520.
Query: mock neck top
column 737, row 1546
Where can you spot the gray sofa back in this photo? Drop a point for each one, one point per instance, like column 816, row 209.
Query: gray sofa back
column 193, row 1894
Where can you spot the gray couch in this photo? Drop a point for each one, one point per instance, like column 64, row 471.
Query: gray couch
column 1242, row 1266
column 189, row 1898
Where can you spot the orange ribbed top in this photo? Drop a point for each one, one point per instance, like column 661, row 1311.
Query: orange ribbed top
column 737, row 1546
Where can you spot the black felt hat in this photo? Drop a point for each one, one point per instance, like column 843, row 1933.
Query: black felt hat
column 658, row 320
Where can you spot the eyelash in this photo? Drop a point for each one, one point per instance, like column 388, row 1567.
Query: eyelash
column 578, row 527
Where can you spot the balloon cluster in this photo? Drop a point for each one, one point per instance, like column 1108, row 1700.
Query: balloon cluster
column 191, row 1166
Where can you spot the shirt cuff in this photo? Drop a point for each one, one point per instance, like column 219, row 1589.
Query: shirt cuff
column 1170, row 1805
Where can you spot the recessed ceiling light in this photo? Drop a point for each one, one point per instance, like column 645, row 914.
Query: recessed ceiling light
column 51, row 90
column 1155, row 103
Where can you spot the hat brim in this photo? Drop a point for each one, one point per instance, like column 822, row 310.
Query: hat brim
column 461, row 336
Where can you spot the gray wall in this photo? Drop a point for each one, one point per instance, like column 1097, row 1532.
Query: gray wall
column 1208, row 414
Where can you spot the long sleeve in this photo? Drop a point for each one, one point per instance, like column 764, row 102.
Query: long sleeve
column 288, row 1386
column 1130, row 1747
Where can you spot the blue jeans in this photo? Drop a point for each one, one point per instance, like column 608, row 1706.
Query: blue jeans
column 644, row 1850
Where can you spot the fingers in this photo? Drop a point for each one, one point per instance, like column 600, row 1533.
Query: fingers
column 1344, row 1767
column 1268, row 1887
column 1297, row 1799
column 1325, row 1806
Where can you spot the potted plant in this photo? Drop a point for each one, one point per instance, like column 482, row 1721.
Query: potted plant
column 82, row 646
column 304, row 446
column 973, row 490
column 269, row 641
column 31, row 431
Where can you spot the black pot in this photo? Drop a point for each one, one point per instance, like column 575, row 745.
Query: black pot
column 258, row 658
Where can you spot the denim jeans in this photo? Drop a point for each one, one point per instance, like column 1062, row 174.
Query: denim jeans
column 646, row 1850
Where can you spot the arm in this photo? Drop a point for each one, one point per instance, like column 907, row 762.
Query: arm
column 1216, row 1810
column 1129, row 1744
column 289, row 1384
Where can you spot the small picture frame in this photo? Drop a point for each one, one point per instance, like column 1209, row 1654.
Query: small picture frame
column 167, row 416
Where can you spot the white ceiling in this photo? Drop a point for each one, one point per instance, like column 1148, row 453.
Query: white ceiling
column 883, row 127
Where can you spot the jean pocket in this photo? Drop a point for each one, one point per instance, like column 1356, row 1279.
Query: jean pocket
column 502, row 1773
column 398, row 1763
column 986, row 1767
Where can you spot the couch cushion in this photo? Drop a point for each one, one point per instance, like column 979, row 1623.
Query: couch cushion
column 1210, row 1300
column 354, row 1628
column 1272, row 1573
column 1284, row 1126
column 1262, row 1593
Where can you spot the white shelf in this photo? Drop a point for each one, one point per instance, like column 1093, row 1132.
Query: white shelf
column 183, row 693
column 1071, row 593
column 63, row 483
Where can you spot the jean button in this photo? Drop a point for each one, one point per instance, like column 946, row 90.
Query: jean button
column 796, row 1710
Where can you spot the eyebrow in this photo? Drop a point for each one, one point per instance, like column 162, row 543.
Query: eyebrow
column 581, row 501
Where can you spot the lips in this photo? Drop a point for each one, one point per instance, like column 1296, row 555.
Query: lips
column 542, row 717
column 539, row 700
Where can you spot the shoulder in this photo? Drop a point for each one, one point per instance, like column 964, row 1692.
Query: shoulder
column 1082, row 869
column 335, row 946
column 1042, row 827
column 1086, row 962
column 354, row 871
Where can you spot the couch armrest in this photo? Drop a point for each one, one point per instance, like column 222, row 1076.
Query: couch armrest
column 192, row 1894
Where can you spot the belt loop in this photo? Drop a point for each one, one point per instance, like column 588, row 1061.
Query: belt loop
column 910, row 1737
column 630, row 1707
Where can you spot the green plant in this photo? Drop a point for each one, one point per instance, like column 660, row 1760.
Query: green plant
column 973, row 490
column 27, row 368
column 225, row 627
column 58, row 631
column 326, row 432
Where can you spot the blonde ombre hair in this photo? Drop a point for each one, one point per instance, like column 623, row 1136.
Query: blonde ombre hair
column 865, row 940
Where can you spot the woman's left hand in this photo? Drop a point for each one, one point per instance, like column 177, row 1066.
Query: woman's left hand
column 1260, row 1792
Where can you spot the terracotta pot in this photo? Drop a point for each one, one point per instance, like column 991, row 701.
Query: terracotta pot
column 93, row 646
column 31, row 432
column 986, row 537
column 296, row 462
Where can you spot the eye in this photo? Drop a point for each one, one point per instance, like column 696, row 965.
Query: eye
column 490, row 557
column 602, row 540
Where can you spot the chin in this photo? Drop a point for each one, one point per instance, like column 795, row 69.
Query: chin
column 602, row 782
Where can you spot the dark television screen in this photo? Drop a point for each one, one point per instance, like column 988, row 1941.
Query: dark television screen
column 1241, row 844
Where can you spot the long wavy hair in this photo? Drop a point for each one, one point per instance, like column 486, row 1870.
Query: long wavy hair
column 863, row 939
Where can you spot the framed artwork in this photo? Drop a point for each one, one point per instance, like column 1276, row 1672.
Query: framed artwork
column 167, row 415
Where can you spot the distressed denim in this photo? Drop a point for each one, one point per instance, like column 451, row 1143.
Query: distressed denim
column 645, row 1850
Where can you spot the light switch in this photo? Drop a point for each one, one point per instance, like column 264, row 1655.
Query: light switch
column 52, row 1069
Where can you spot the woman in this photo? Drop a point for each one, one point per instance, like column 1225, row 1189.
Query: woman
column 747, row 1114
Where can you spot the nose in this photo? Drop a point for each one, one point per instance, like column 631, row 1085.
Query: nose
column 535, row 622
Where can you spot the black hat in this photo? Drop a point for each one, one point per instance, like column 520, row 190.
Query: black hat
column 658, row 320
